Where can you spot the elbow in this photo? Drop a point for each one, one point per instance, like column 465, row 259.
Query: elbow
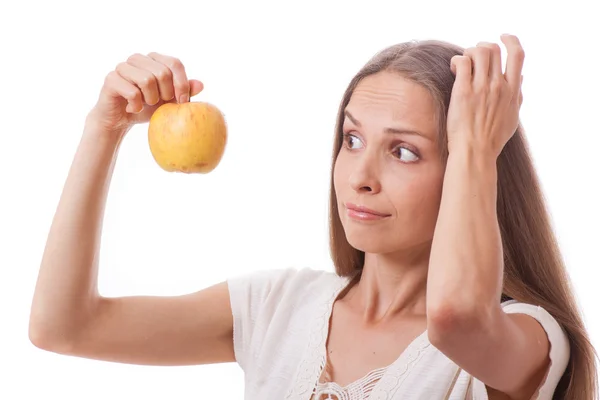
column 45, row 338
column 447, row 324
column 37, row 334
column 55, row 331
column 38, row 339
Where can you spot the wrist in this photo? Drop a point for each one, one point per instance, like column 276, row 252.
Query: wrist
column 473, row 150
column 95, row 129
column 476, row 158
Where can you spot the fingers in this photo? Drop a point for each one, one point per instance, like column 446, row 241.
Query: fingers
column 180, row 80
column 162, row 74
column 514, row 62
column 462, row 68
column 480, row 57
column 195, row 87
column 119, row 87
column 486, row 61
column 143, row 79
column 151, row 79
column 495, row 59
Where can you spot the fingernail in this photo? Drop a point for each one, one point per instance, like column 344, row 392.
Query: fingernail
column 184, row 98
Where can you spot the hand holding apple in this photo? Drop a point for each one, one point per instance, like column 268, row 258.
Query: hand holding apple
column 183, row 136
column 137, row 88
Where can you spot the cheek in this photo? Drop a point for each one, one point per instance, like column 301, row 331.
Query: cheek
column 417, row 197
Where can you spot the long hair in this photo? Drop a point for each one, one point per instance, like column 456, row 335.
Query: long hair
column 534, row 271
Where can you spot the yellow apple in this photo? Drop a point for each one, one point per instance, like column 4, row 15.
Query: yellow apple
column 188, row 137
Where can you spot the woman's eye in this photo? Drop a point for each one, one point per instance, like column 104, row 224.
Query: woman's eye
column 404, row 154
column 351, row 140
column 407, row 155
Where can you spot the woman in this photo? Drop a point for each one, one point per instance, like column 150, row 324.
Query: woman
column 448, row 285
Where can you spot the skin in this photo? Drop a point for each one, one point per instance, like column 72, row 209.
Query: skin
column 402, row 291
column 435, row 262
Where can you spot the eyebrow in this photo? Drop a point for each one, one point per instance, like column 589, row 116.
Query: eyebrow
column 388, row 130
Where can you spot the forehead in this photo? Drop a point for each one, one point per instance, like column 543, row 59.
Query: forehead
column 389, row 97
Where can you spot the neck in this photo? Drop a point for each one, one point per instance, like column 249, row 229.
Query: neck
column 391, row 285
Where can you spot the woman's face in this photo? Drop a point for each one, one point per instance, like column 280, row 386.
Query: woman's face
column 389, row 162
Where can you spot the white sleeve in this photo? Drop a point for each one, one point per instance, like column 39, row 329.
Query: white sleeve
column 248, row 294
column 559, row 350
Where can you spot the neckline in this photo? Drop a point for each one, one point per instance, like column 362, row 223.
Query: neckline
column 398, row 367
column 311, row 367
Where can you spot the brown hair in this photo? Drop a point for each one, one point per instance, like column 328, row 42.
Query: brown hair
column 534, row 271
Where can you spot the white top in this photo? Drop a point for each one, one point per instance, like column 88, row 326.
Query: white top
column 281, row 323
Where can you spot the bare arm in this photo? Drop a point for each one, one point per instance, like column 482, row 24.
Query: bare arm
column 507, row 352
column 68, row 315
column 466, row 321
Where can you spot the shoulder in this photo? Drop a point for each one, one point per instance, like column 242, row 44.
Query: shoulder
column 273, row 303
column 275, row 283
column 559, row 347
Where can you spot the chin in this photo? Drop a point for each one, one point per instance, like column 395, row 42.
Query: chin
column 384, row 241
column 373, row 244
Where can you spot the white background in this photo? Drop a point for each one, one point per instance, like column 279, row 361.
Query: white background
column 278, row 72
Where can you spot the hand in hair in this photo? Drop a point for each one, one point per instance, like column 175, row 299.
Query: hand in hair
column 485, row 102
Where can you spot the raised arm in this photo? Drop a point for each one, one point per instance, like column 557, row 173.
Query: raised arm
column 68, row 315
column 509, row 353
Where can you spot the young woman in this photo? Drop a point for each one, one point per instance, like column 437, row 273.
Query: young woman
column 448, row 285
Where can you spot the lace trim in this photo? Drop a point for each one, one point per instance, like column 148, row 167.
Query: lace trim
column 359, row 389
column 313, row 363
column 393, row 377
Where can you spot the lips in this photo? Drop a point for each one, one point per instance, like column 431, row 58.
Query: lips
column 363, row 209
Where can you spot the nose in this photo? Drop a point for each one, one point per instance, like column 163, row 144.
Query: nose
column 364, row 177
